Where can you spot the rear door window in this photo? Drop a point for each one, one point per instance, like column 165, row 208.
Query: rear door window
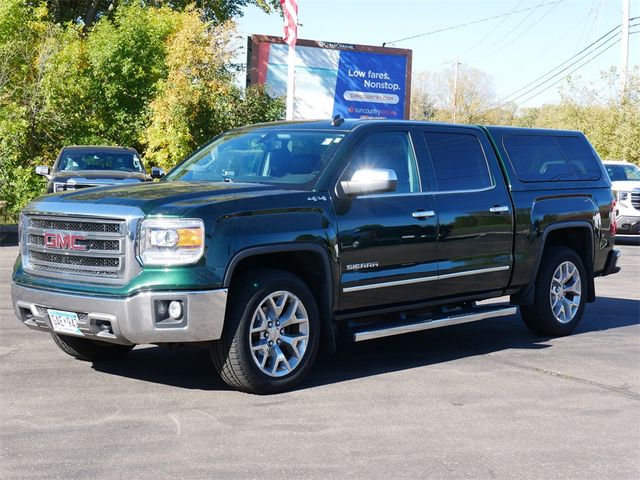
column 542, row 158
column 459, row 161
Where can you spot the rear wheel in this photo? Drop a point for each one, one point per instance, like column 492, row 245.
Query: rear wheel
column 90, row 350
column 271, row 334
column 560, row 294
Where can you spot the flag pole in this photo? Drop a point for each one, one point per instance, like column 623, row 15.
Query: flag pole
column 290, row 14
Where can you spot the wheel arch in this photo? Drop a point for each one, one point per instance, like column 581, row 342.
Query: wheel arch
column 577, row 235
column 308, row 261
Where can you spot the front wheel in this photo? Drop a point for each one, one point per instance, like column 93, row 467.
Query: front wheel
column 560, row 294
column 90, row 350
column 271, row 334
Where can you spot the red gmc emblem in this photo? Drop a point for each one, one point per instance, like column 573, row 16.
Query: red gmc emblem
column 63, row 241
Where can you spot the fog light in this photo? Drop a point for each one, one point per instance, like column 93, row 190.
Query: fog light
column 175, row 309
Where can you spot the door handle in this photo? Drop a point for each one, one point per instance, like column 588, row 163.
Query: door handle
column 499, row 209
column 423, row 214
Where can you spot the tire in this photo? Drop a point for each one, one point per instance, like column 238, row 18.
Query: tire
column 90, row 350
column 561, row 292
column 256, row 353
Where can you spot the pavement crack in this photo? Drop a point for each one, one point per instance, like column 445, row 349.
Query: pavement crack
column 565, row 376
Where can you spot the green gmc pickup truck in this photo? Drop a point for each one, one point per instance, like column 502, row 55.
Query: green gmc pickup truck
column 273, row 240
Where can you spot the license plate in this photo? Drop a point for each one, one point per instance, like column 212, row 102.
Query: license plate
column 64, row 322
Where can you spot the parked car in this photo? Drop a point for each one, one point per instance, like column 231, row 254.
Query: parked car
column 92, row 166
column 625, row 181
column 273, row 239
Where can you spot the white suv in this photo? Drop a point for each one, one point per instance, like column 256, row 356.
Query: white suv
column 625, row 179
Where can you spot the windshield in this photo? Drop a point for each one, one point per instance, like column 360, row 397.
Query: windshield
column 89, row 159
column 619, row 173
column 284, row 156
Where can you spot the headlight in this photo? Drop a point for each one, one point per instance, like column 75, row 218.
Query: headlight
column 166, row 241
column 623, row 196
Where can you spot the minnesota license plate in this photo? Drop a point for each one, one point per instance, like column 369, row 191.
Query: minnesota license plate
column 64, row 322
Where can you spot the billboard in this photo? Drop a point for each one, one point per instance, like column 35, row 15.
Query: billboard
column 354, row 81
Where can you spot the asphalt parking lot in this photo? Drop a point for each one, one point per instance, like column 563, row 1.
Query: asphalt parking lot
column 484, row 400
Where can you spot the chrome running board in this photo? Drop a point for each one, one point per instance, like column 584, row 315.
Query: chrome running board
column 399, row 329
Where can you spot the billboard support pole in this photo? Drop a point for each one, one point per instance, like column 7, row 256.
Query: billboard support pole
column 291, row 80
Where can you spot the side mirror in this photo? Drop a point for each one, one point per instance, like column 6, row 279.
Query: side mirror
column 44, row 171
column 157, row 172
column 368, row 181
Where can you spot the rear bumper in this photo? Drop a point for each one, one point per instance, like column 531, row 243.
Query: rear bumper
column 127, row 320
column 611, row 265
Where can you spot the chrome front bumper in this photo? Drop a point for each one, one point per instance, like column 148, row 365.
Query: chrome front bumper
column 126, row 320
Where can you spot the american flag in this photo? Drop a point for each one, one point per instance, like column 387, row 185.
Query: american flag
column 290, row 9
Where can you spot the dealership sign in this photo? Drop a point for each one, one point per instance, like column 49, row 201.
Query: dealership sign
column 354, row 81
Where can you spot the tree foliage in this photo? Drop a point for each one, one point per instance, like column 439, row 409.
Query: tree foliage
column 87, row 12
column 609, row 119
column 432, row 97
column 198, row 99
column 152, row 77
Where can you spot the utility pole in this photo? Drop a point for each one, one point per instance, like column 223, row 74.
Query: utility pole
column 455, row 90
column 624, row 59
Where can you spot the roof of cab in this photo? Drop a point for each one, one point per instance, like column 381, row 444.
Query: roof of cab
column 351, row 124
column 343, row 125
column 507, row 130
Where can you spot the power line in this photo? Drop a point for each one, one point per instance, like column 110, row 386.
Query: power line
column 600, row 39
column 479, row 42
column 547, row 47
column 572, row 71
column 491, row 47
column 593, row 21
column 453, row 27
column 505, row 102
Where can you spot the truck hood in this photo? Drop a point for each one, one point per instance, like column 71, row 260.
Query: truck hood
column 625, row 185
column 163, row 198
column 85, row 176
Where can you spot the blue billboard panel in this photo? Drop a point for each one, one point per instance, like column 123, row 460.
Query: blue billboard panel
column 370, row 85
column 353, row 81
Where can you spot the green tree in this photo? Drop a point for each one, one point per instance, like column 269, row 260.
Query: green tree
column 610, row 120
column 87, row 12
column 198, row 98
column 126, row 60
column 26, row 40
column 152, row 73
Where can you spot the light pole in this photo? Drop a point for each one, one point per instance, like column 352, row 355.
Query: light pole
column 624, row 58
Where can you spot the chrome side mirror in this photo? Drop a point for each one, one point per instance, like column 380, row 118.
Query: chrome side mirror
column 157, row 172
column 44, row 171
column 368, row 181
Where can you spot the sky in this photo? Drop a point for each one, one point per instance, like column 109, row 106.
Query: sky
column 534, row 37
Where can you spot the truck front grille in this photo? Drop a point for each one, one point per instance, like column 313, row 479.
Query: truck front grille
column 76, row 248
column 635, row 199
column 77, row 226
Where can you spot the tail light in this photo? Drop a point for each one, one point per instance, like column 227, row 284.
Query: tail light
column 613, row 228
